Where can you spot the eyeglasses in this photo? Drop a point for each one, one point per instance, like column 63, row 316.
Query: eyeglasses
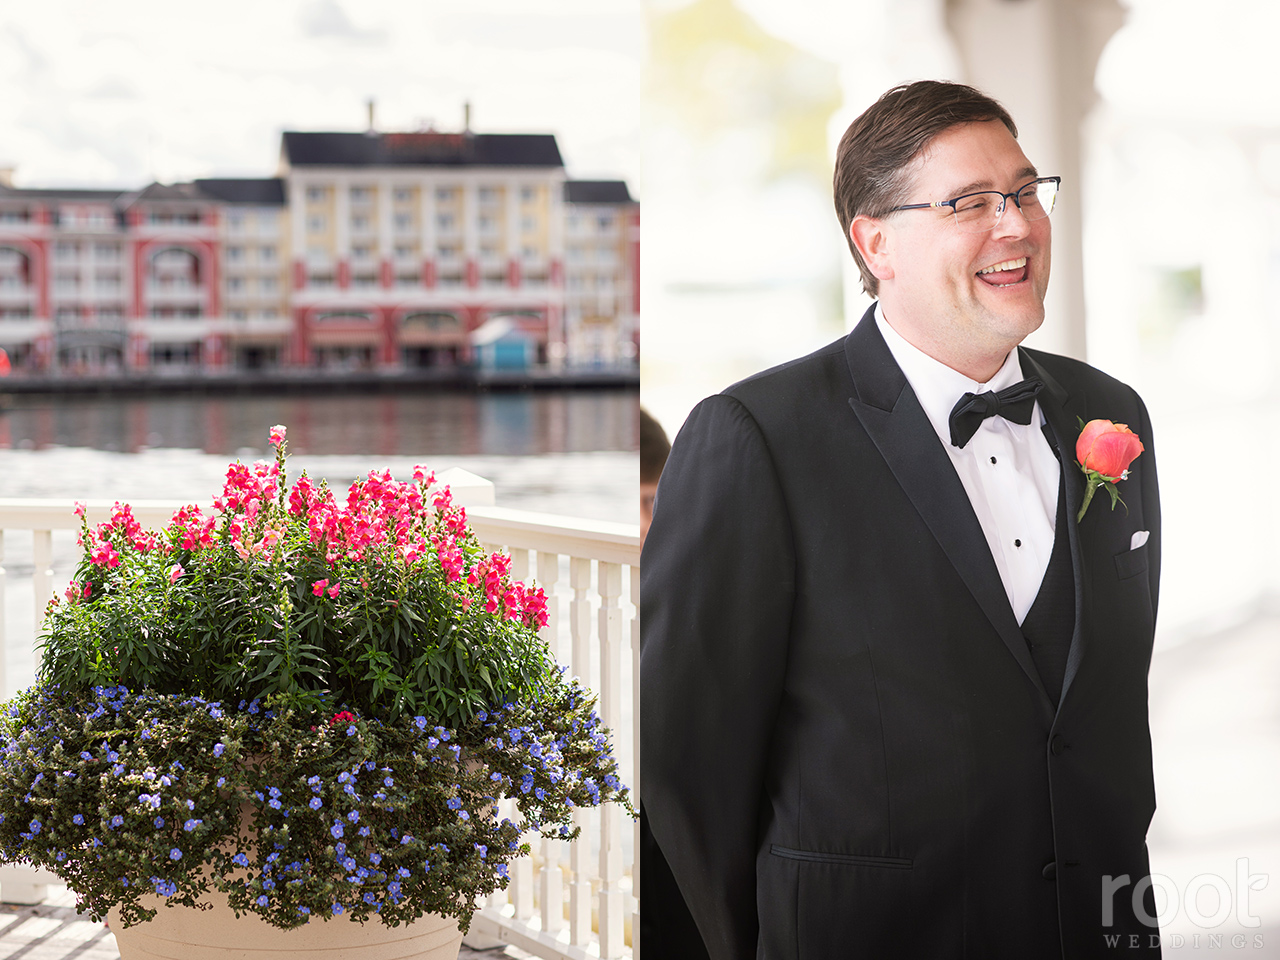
column 980, row 212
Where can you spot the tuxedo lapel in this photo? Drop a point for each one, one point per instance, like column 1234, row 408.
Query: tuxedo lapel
column 1061, row 411
column 892, row 416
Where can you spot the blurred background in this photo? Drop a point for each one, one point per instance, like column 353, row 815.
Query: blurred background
column 1162, row 117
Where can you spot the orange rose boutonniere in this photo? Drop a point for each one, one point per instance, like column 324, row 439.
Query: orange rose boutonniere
column 1104, row 452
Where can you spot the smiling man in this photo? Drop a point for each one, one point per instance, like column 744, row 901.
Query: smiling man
column 894, row 694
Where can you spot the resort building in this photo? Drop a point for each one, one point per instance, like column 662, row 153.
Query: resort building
column 368, row 251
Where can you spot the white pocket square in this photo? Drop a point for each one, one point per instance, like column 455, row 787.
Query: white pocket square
column 1138, row 539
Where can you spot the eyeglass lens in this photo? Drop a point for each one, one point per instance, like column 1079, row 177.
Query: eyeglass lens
column 981, row 211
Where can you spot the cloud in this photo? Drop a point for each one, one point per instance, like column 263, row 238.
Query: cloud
column 326, row 18
column 113, row 88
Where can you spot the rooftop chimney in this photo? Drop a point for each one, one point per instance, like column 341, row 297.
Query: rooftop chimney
column 466, row 117
column 6, row 175
column 371, row 129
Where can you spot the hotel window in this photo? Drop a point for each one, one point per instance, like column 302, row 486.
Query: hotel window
column 361, row 194
column 364, row 281
column 361, row 251
column 605, row 222
column 235, row 221
column 360, row 222
column 487, row 224
column 235, row 284
column 445, row 221
column 235, row 254
column 403, row 195
column 404, row 222
column 268, row 284
column 106, row 251
column 445, row 194
column 267, row 254
column 488, row 194
column 528, row 194
column 404, row 251
column 528, row 224
column 316, row 194
column 315, row 223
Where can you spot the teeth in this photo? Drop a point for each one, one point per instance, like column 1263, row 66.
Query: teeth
column 1007, row 265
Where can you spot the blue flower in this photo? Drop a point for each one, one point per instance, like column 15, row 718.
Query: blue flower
column 336, row 830
column 388, row 782
column 159, row 822
column 86, row 755
column 454, row 803
column 219, row 749
column 354, row 816
column 77, row 820
column 146, row 734
column 191, row 825
column 363, row 831
column 316, row 803
column 117, row 821
column 262, row 900
column 175, row 854
column 240, row 860
column 304, row 910
column 351, row 730
column 222, row 781
column 339, row 848
column 34, row 826
column 273, row 803
column 337, row 909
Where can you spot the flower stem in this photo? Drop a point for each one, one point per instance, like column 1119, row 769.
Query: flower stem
column 1088, row 496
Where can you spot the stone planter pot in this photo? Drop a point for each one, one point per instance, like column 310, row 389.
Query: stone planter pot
column 183, row 933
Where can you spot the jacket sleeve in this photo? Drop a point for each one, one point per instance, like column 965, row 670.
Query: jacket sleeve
column 717, row 584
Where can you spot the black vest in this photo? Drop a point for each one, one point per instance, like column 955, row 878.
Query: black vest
column 1051, row 621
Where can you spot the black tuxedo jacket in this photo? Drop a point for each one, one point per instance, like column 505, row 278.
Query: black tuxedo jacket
column 846, row 748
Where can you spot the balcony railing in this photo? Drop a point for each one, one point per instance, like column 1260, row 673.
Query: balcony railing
column 568, row 900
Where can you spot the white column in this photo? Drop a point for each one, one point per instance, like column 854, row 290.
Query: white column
column 580, row 850
column 610, row 619
column 550, row 879
column 42, row 576
column 1038, row 58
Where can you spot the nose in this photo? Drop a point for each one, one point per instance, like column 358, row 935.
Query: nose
column 1012, row 224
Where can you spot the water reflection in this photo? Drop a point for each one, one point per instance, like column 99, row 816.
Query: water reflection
column 467, row 424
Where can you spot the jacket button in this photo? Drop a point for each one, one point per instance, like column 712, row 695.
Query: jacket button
column 1050, row 871
column 1057, row 744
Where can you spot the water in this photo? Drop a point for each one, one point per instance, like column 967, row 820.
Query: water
column 567, row 452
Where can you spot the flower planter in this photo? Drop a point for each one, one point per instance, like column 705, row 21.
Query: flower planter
column 185, row 933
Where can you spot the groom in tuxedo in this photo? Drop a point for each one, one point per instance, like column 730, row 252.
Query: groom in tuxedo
column 894, row 692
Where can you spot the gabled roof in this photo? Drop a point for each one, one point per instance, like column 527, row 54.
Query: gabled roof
column 421, row 149
column 265, row 191
column 596, row 191
column 169, row 191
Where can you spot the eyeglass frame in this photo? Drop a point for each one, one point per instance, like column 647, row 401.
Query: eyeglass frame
column 1004, row 201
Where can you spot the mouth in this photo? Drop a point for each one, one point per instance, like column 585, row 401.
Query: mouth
column 1005, row 273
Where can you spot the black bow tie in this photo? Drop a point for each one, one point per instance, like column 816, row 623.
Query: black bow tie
column 1013, row 403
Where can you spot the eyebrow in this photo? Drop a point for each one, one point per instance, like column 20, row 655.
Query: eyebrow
column 1028, row 172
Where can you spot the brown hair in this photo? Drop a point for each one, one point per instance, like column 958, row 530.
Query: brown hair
column 654, row 448
column 874, row 153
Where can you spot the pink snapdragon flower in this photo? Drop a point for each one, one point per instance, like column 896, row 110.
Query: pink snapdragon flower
column 175, row 572
column 317, row 588
column 277, row 434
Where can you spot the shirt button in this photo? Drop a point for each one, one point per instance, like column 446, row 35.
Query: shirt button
column 1057, row 744
column 1050, row 871
column 993, row 459
column 1017, row 543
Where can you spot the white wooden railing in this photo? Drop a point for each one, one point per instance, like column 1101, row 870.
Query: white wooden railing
column 568, row 900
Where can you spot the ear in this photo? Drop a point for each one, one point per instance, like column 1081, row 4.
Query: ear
column 873, row 237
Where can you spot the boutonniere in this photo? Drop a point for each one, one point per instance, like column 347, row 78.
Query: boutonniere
column 1104, row 452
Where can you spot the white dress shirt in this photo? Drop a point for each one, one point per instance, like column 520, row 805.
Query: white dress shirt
column 1008, row 469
